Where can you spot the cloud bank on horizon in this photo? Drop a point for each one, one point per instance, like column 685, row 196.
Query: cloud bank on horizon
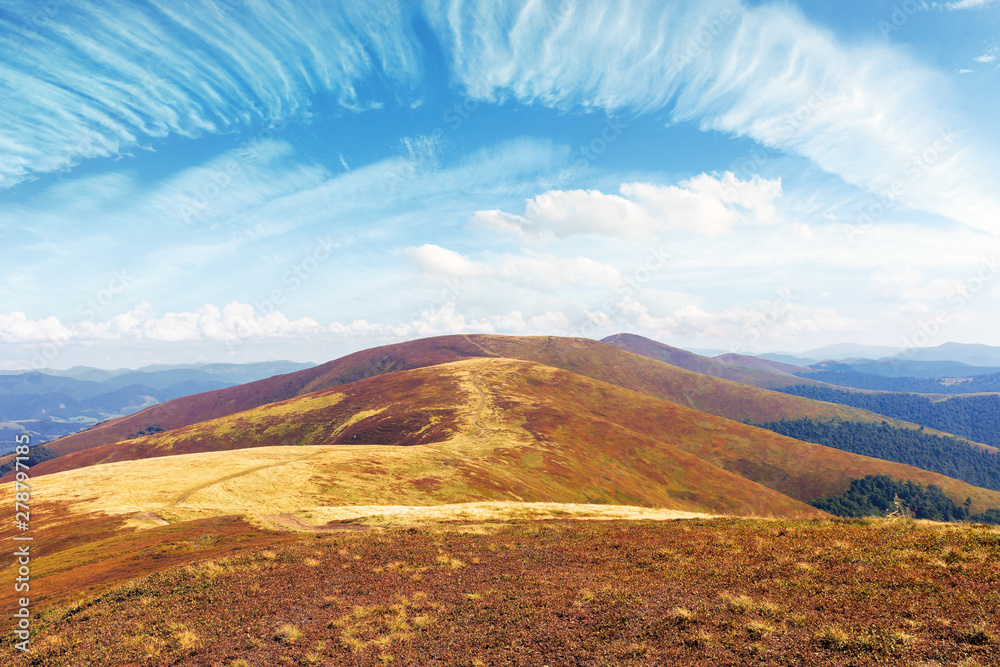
column 315, row 178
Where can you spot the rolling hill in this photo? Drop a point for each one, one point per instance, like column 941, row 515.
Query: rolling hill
column 762, row 374
column 592, row 359
column 759, row 363
column 381, row 475
column 475, row 430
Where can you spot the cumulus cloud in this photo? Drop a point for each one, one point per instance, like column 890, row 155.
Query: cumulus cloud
column 435, row 259
column 234, row 321
column 743, row 327
column 709, row 205
column 17, row 328
column 706, row 204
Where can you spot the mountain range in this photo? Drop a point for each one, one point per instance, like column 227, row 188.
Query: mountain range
column 969, row 354
column 496, row 417
column 202, row 500
column 49, row 404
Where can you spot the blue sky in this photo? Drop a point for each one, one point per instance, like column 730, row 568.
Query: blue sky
column 233, row 180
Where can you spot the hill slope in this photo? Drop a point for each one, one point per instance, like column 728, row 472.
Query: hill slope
column 488, row 429
column 589, row 358
column 758, row 375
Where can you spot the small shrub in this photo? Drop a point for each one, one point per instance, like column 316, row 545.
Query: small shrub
column 833, row 637
column 699, row 639
column 288, row 634
column 681, row 615
column 635, row 651
column 759, row 629
column 978, row 635
column 184, row 639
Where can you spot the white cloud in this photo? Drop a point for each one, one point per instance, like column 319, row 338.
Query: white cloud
column 741, row 327
column 435, row 259
column 233, row 322
column 548, row 273
column 565, row 213
column 446, row 320
column 985, row 58
column 17, row 328
column 708, row 205
column 870, row 114
column 907, row 284
column 968, row 4
column 237, row 64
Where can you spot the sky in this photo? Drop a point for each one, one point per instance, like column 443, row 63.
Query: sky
column 242, row 180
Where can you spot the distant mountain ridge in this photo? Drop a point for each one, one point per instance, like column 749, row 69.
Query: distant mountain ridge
column 50, row 404
column 971, row 354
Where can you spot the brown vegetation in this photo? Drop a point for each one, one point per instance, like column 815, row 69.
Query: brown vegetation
column 696, row 592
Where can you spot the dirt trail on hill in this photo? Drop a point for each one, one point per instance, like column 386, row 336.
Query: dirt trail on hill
column 482, row 404
column 187, row 494
column 295, row 523
column 489, row 353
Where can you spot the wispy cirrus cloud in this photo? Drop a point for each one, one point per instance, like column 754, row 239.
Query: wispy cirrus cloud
column 90, row 79
column 967, row 4
column 870, row 114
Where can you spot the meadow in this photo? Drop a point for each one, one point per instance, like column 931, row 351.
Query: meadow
column 473, row 589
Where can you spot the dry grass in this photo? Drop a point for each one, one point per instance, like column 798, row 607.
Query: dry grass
column 315, row 656
column 759, row 629
column 183, row 638
column 681, row 615
column 699, row 639
column 558, row 593
column 978, row 635
column 489, row 512
column 382, row 625
column 287, row 633
column 833, row 637
column 449, row 562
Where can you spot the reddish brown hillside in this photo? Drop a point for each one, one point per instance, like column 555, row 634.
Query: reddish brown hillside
column 762, row 364
column 738, row 370
column 586, row 357
column 525, row 431
column 718, row 593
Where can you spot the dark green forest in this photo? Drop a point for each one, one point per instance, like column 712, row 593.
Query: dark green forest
column 36, row 455
column 973, row 417
column 876, row 495
column 940, row 454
